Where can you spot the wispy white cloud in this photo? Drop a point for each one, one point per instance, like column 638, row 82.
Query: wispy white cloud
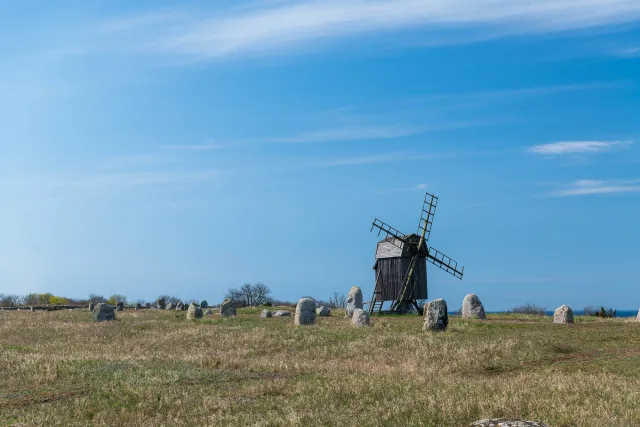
column 515, row 93
column 380, row 158
column 575, row 147
column 418, row 187
column 630, row 52
column 587, row 187
column 337, row 134
column 271, row 26
column 124, row 181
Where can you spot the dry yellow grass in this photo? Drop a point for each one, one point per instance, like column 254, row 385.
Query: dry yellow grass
column 154, row 368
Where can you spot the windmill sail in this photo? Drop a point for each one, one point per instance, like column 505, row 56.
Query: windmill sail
column 398, row 240
column 426, row 216
column 445, row 262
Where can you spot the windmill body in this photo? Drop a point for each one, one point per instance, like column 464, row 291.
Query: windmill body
column 401, row 263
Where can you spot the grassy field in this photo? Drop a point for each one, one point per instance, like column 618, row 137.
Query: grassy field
column 154, row 368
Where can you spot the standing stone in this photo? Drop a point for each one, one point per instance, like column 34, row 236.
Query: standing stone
column 194, row 312
column 360, row 318
column 323, row 311
column 147, row 305
column 170, row 306
column 472, row 308
column 638, row 317
column 563, row 314
column 227, row 308
column 435, row 315
column 160, row 304
column 179, row 306
column 138, row 306
column 119, row 306
column 305, row 312
column 266, row 314
column 204, row 304
column 103, row 312
column 281, row 313
column 91, row 306
column 354, row 300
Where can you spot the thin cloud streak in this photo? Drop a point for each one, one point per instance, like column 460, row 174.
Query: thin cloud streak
column 344, row 134
column 285, row 25
column 574, row 147
column 418, row 187
column 380, row 158
column 588, row 187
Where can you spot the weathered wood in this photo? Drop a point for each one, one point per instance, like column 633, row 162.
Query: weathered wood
column 392, row 273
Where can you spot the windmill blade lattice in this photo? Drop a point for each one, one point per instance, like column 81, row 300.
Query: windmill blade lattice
column 398, row 238
column 426, row 216
column 445, row 262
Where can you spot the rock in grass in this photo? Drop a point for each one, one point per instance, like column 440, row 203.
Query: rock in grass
column 281, row 313
column 563, row 314
column 103, row 312
column 360, row 318
column 194, row 312
column 266, row 314
column 507, row 423
column 208, row 312
column 305, row 312
column 323, row 311
column 435, row 316
column 354, row 300
column 227, row 308
column 472, row 308
column 638, row 317
column 204, row 304
column 160, row 304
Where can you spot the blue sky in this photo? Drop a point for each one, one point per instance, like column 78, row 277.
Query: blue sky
column 180, row 148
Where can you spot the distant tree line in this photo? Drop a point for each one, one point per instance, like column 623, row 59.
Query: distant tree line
column 247, row 295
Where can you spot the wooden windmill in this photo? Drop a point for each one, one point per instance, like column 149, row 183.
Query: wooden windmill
column 401, row 268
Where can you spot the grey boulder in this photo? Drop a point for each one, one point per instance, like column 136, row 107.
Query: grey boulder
column 103, row 312
column 194, row 312
column 436, row 317
column 323, row 311
column 472, row 308
column 360, row 318
column 266, row 314
column 305, row 312
column 354, row 300
column 563, row 314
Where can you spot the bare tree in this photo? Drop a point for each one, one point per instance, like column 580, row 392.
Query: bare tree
column 96, row 299
column 10, row 300
column 338, row 300
column 249, row 295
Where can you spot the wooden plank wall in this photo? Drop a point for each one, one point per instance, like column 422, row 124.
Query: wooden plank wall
column 392, row 273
